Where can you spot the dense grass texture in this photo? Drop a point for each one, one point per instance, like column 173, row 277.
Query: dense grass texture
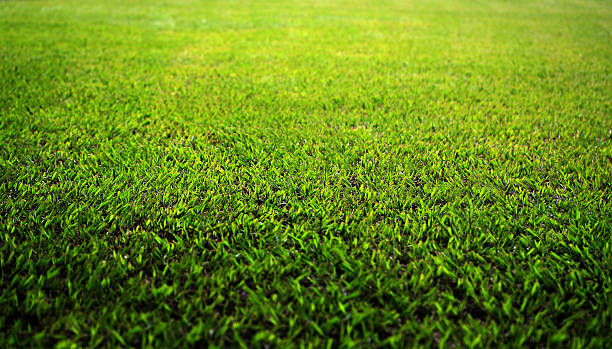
column 306, row 173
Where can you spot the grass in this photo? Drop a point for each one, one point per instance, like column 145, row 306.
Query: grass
column 306, row 173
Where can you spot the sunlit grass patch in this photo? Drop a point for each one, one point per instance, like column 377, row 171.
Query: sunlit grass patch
column 305, row 173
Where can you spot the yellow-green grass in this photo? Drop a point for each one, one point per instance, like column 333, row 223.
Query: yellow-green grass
column 306, row 173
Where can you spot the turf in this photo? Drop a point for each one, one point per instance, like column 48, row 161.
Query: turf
column 306, row 173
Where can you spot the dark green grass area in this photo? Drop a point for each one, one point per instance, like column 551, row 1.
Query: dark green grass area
column 306, row 173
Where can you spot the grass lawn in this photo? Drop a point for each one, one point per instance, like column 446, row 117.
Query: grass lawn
column 306, row 173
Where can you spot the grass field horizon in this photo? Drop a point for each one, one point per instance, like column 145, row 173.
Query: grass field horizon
column 306, row 173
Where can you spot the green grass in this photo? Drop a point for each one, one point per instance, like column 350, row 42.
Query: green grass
column 306, row 173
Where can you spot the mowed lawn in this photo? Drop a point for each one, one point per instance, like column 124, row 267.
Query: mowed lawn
column 306, row 173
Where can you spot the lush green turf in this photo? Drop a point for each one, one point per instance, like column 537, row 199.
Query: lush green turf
column 308, row 173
